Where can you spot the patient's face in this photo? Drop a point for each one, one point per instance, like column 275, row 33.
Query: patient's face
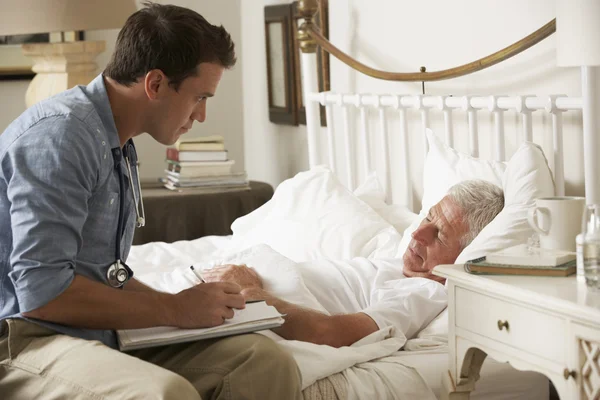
column 176, row 111
column 436, row 241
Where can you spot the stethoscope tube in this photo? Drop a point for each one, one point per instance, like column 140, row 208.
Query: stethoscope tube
column 118, row 272
column 121, row 209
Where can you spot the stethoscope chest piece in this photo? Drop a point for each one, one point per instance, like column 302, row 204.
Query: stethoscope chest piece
column 117, row 274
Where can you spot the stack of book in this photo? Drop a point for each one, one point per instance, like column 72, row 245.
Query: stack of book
column 524, row 260
column 202, row 164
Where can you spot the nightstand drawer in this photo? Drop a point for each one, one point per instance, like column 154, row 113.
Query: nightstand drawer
column 515, row 325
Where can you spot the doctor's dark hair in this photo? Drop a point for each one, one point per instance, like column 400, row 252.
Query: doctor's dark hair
column 170, row 38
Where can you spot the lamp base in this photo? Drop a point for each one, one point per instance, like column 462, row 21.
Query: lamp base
column 60, row 66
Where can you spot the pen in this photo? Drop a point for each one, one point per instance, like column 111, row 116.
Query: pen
column 197, row 274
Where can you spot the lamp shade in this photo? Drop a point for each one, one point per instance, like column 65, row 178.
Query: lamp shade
column 19, row 17
column 578, row 33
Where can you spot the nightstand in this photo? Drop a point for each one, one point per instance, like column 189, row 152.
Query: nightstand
column 544, row 324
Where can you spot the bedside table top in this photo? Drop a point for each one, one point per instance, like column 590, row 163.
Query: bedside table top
column 562, row 294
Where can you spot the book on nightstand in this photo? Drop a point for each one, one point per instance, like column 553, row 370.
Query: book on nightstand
column 522, row 254
column 480, row 267
column 206, row 143
column 524, row 260
column 176, row 155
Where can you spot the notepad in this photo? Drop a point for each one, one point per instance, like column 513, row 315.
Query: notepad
column 255, row 317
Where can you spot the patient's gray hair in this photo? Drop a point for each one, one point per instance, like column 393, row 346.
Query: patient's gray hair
column 480, row 202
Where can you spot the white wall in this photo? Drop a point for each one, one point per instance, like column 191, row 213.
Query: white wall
column 224, row 111
column 273, row 152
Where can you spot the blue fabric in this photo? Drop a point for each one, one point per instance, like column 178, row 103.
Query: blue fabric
column 59, row 202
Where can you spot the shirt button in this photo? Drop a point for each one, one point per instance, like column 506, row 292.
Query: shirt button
column 103, row 143
column 105, row 156
column 98, row 130
column 112, row 201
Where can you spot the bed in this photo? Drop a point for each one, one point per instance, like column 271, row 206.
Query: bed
column 413, row 373
column 385, row 167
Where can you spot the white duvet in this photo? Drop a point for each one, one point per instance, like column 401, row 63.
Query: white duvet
column 166, row 267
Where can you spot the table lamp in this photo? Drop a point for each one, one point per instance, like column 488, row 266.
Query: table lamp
column 61, row 65
column 578, row 45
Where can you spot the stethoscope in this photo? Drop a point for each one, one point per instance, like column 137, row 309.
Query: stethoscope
column 118, row 273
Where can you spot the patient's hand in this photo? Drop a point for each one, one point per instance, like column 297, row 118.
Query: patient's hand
column 244, row 276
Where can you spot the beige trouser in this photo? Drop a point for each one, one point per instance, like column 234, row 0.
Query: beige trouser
column 38, row 363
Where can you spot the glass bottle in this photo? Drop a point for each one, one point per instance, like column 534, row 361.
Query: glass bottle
column 590, row 231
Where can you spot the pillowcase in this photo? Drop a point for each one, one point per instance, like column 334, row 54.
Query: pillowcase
column 527, row 177
column 445, row 167
column 372, row 193
column 314, row 216
column 524, row 178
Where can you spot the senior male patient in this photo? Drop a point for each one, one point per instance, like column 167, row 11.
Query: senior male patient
column 374, row 295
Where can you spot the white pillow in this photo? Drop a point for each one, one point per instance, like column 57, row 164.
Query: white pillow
column 527, row 177
column 524, row 178
column 372, row 193
column 445, row 167
column 314, row 216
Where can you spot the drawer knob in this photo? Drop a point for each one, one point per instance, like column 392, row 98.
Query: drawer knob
column 567, row 373
column 502, row 325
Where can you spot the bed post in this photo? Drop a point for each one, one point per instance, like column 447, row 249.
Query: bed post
column 307, row 9
column 591, row 141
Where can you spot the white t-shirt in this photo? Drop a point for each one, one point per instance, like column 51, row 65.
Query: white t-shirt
column 377, row 288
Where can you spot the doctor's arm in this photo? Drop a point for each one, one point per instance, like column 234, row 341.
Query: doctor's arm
column 134, row 285
column 93, row 305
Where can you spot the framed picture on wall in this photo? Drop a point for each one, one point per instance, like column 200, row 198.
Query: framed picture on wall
column 321, row 19
column 280, row 64
column 14, row 64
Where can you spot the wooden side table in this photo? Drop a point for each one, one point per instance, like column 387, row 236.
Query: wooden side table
column 172, row 216
column 544, row 324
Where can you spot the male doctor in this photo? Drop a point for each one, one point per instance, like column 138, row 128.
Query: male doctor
column 68, row 200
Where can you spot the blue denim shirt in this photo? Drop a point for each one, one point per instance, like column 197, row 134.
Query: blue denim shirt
column 59, row 202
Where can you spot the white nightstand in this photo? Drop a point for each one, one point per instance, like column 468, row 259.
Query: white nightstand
column 544, row 324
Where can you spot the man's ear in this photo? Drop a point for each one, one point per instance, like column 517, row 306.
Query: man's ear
column 154, row 82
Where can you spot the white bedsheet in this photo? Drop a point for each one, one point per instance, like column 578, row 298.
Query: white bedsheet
column 406, row 374
column 166, row 267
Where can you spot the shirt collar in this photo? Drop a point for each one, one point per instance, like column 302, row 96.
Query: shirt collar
column 96, row 91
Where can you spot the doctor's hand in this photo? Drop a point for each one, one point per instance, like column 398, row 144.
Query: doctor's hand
column 206, row 305
column 241, row 274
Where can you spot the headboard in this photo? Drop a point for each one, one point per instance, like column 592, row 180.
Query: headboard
column 385, row 132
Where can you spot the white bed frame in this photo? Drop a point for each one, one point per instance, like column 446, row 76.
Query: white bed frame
column 389, row 107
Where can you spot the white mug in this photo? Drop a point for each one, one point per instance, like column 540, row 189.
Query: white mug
column 557, row 220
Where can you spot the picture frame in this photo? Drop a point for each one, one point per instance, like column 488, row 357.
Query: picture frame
column 321, row 19
column 14, row 65
column 280, row 65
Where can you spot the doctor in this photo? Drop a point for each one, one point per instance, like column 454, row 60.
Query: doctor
column 69, row 202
